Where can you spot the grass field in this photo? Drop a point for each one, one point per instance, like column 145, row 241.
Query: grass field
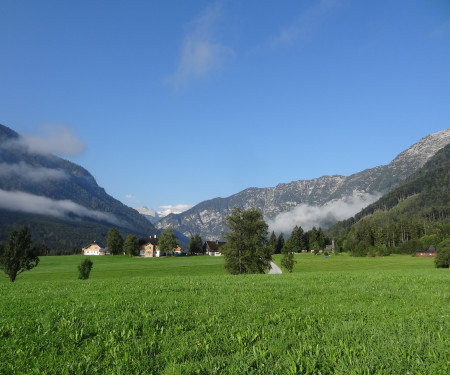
column 339, row 315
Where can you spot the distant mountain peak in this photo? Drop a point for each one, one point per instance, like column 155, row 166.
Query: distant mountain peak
column 419, row 153
column 207, row 218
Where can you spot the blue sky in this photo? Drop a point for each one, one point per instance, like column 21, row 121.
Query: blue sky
column 176, row 102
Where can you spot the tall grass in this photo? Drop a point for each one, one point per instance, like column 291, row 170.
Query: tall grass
column 186, row 316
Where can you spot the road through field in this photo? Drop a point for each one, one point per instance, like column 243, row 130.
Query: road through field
column 274, row 269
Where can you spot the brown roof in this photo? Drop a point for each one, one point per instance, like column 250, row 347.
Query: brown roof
column 145, row 241
column 213, row 245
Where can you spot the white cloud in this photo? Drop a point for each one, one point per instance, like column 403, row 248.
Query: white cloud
column 309, row 216
column 31, row 173
column 58, row 140
column 129, row 196
column 35, row 204
column 201, row 53
column 176, row 209
column 305, row 24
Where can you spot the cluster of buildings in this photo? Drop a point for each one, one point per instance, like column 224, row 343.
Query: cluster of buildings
column 148, row 248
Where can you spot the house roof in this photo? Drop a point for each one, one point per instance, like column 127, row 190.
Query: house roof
column 145, row 241
column 95, row 243
column 213, row 245
column 431, row 249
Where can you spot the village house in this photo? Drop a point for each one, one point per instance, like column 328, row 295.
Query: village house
column 212, row 248
column 148, row 247
column 96, row 248
column 431, row 252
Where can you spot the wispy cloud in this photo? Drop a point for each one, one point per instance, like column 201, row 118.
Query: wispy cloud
column 31, row 173
column 201, row 53
column 304, row 25
column 63, row 209
column 308, row 216
column 58, row 140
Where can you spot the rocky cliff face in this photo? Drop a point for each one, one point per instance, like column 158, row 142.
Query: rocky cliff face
column 207, row 217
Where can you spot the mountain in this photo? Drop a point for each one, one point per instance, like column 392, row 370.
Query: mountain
column 154, row 216
column 413, row 216
column 425, row 194
column 60, row 201
column 359, row 189
column 151, row 215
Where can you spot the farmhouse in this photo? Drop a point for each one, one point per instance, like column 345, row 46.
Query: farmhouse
column 148, row 248
column 96, row 248
column 431, row 252
column 211, row 248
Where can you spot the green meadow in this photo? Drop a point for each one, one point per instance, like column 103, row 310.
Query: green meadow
column 335, row 315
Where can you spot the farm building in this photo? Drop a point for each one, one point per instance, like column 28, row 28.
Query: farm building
column 212, row 248
column 96, row 248
column 148, row 247
column 431, row 252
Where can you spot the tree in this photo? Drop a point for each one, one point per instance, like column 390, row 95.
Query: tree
column 273, row 242
column 287, row 261
column 195, row 245
column 131, row 246
column 168, row 241
column 297, row 238
column 114, row 241
column 312, row 239
column 246, row 249
column 84, row 269
column 19, row 254
column 280, row 243
column 442, row 259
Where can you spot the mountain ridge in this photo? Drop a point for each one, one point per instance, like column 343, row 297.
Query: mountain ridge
column 40, row 188
column 207, row 217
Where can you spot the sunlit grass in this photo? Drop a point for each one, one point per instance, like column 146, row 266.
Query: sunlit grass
column 338, row 315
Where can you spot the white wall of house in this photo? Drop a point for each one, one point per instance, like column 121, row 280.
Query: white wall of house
column 93, row 252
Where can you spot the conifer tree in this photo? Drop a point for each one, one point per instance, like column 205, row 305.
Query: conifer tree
column 246, row 249
column 19, row 254
column 114, row 241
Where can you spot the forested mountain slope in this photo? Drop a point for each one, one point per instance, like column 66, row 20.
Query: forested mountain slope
column 60, row 201
column 423, row 199
column 207, row 217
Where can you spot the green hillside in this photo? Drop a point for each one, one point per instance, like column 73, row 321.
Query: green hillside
column 62, row 203
column 414, row 215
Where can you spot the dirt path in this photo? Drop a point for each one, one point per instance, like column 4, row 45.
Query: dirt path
column 274, row 269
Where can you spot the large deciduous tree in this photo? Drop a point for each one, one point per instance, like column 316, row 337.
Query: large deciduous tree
column 114, row 241
column 131, row 246
column 195, row 245
column 246, row 249
column 168, row 241
column 19, row 254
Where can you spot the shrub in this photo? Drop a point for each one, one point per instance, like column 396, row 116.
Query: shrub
column 442, row 259
column 85, row 268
